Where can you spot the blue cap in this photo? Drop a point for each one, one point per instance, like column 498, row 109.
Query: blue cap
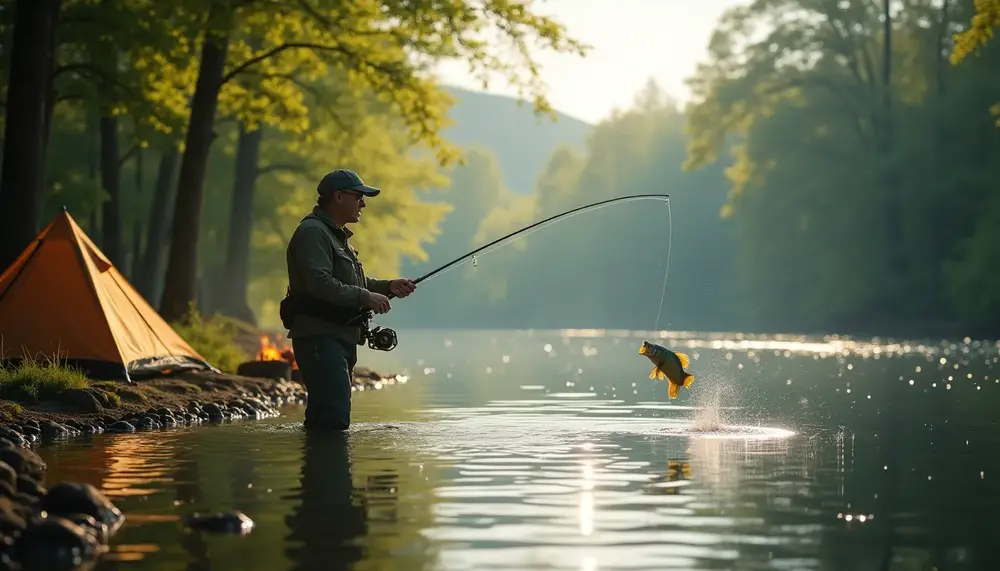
column 343, row 179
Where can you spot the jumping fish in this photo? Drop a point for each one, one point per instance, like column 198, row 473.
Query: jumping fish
column 668, row 364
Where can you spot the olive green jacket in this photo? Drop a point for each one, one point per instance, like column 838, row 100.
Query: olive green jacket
column 323, row 264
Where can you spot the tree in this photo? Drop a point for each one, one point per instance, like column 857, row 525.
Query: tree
column 32, row 57
column 851, row 199
column 382, row 46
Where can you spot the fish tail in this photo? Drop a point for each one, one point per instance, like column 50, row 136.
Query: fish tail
column 688, row 380
column 673, row 390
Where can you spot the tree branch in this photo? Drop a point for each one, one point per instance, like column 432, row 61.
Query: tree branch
column 296, row 45
column 281, row 167
column 128, row 154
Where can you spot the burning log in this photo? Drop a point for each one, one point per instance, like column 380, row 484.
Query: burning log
column 272, row 362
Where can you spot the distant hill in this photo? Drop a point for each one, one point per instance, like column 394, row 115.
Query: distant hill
column 521, row 141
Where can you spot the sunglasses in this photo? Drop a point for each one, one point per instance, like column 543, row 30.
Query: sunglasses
column 357, row 195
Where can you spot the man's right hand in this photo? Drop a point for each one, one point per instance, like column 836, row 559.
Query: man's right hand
column 377, row 302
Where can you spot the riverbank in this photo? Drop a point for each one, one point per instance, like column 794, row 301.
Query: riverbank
column 56, row 404
column 69, row 525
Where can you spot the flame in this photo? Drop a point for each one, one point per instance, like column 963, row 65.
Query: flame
column 270, row 351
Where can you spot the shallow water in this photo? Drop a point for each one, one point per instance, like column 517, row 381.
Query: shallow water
column 553, row 450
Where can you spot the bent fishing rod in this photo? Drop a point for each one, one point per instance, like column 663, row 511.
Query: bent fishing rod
column 385, row 337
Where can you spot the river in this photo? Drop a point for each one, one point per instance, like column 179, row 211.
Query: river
column 554, row 450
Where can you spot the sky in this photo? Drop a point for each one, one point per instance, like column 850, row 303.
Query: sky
column 631, row 41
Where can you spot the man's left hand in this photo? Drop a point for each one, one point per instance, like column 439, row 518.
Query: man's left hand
column 402, row 287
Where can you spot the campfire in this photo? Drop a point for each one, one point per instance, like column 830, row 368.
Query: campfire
column 270, row 351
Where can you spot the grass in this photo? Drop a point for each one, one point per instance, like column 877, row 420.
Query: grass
column 214, row 339
column 35, row 380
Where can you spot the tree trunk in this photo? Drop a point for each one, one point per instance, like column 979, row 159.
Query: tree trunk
column 160, row 211
column 50, row 105
column 93, row 158
column 111, row 222
column 180, row 287
column 21, row 174
column 135, row 251
column 237, row 269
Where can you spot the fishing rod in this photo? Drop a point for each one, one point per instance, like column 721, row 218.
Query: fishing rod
column 384, row 338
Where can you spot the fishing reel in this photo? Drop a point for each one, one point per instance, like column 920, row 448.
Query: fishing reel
column 382, row 339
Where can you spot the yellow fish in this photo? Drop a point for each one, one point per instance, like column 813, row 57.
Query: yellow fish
column 669, row 365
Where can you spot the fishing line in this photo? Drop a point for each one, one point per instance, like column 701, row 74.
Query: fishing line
column 527, row 230
column 666, row 272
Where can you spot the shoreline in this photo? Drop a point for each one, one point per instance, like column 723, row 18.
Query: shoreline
column 69, row 525
column 190, row 397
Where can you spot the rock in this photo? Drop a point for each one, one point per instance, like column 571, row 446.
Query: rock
column 26, row 485
column 11, row 520
column 56, row 544
column 31, row 430
column 230, row 522
column 24, row 461
column 213, row 410
column 54, row 430
column 96, row 528
column 67, row 498
column 119, row 426
column 26, row 501
column 147, row 423
column 8, row 474
column 82, row 400
column 13, row 436
column 74, row 424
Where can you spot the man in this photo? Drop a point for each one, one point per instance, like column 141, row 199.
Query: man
column 327, row 286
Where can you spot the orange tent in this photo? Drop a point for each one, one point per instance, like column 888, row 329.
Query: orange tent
column 62, row 298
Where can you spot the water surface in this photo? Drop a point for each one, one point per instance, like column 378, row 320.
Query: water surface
column 554, row 450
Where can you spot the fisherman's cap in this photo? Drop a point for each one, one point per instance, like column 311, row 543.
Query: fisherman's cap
column 343, row 179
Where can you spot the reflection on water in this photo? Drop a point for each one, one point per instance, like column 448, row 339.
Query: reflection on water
column 527, row 450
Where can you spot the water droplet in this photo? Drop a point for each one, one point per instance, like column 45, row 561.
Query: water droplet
column 911, row 382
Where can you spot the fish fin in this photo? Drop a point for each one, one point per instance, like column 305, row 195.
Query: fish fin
column 652, row 374
column 642, row 349
column 688, row 380
column 672, row 391
column 683, row 358
column 660, row 375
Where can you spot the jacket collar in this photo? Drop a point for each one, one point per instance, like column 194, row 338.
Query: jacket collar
column 343, row 233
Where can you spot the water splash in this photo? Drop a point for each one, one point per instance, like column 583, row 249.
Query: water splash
column 710, row 417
